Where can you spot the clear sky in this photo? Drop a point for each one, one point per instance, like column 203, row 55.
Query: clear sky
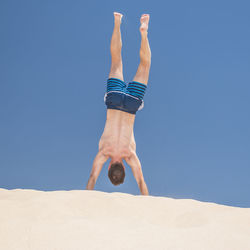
column 193, row 135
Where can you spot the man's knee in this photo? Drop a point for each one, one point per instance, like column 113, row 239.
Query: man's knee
column 145, row 65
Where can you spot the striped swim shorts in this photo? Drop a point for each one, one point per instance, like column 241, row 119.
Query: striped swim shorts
column 125, row 98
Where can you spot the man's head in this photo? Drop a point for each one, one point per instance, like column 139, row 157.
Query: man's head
column 116, row 173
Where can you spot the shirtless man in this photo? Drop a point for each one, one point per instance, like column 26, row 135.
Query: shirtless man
column 117, row 141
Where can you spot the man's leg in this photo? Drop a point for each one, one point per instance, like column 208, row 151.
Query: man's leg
column 142, row 73
column 116, row 70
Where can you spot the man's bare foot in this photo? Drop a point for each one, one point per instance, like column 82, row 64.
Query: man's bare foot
column 144, row 23
column 118, row 17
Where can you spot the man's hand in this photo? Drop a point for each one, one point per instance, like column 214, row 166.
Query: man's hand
column 134, row 162
column 99, row 160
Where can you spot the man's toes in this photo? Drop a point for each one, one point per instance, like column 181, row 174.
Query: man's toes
column 118, row 14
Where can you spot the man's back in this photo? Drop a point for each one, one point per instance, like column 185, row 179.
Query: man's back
column 118, row 136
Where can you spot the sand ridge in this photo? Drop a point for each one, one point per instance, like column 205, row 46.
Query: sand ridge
column 82, row 219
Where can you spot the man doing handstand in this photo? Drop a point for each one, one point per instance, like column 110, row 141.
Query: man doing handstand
column 117, row 141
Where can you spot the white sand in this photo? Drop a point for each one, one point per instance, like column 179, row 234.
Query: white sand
column 73, row 220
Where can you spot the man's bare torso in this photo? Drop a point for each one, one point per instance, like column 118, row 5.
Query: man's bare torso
column 117, row 139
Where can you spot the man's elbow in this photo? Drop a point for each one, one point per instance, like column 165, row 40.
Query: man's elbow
column 139, row 177
column 140, row 180
column 93, row 176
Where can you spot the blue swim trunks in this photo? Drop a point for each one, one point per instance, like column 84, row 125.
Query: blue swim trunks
column 125, row 98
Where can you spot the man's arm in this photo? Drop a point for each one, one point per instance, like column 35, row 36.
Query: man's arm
column 99, row 160
column 134, row 162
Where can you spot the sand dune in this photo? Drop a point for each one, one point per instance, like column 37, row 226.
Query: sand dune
column 82, row 219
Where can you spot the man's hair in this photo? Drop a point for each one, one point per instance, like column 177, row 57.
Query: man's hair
column 116, row 173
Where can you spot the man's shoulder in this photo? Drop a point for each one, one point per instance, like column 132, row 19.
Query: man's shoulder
column 101, row 156
column 130, row 154
column 104, row 152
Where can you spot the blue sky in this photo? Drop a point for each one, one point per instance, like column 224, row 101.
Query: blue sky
column 193, row 135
